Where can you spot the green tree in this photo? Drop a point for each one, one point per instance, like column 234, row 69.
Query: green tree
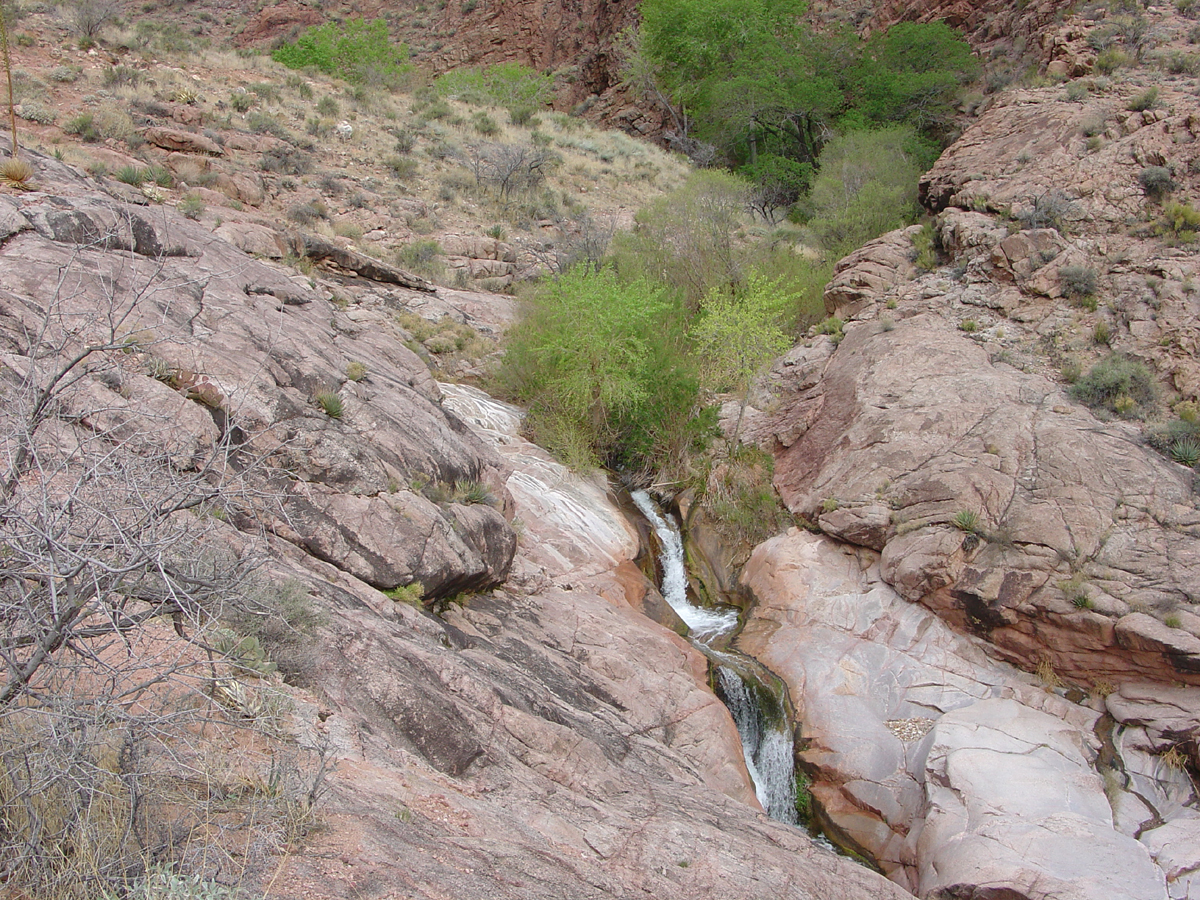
column 686, row 240
column 737, row 334
column 913, row 73
column 866, row 186
column 599, row 365
column 754, row 78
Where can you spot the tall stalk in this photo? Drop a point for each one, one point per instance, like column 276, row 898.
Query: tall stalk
column 12, row 110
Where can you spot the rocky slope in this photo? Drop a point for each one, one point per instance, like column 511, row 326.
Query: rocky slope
column 940, row 438
column 513, row 747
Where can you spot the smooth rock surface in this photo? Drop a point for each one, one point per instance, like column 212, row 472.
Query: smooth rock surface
column 958, row 773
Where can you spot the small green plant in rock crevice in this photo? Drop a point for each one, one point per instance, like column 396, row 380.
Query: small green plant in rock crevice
column 966, row 520
column 412, row 594
column 330, row 403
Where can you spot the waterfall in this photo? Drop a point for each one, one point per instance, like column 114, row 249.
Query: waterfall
column 766, row 744
column 754, row 699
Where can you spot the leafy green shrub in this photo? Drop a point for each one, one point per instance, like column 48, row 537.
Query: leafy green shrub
column 1156, row 181
column 402, row 166
column 925, row 248
column 1077, row 91
column 970, row 326
column 1111, row 59
column 407, row 593
column 1144, row 101
column 510, row 85
column 358, row 51
column 32, row 111
column 686, row 241
column 83, row 125
column 1117, row 384
column 1179, row 221
column 485, row 124
column 832, row 327
column 1177, row 62
column 327, row 106
column 866, row 185
column 741, row 499
column 601, row 368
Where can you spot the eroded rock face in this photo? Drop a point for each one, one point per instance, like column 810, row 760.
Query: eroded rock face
column 546, row 738
column 917, row 425
column 1012, row 800
column 1075, row 543
column 247, row 348
column 958, row 773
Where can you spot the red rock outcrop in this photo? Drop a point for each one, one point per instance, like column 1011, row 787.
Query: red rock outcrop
column 546, row 738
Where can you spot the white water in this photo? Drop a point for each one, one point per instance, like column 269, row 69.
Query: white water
column 703, row 624
column 766, row 746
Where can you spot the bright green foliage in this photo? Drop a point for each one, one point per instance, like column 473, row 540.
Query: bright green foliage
column 755, row 78
column 737, row 334
column 912, row 73
column 867, row 185
column 601, row 368
column 359, row 51
column 511, row 85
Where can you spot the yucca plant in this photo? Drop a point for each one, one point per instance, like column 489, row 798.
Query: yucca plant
column 16, row 172
column 967, row 520
column 331, row 403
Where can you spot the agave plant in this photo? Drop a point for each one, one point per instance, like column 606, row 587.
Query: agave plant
column 1186, row 450
column 967, row 520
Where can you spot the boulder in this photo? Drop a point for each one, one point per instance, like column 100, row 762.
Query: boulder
column 179, row 141
column 916, row 428
column 1013, row 802
column 869, row 272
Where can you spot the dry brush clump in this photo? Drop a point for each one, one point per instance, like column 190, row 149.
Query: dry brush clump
column 116, row 567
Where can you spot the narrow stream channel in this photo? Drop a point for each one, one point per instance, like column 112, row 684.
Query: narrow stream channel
column 755, row 697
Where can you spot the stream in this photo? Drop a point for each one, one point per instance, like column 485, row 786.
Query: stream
column 756, row 698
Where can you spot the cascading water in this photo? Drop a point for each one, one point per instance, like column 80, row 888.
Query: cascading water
column 754, row 698
column 703, row 624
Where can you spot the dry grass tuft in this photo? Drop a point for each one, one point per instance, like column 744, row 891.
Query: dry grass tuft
column 17, row 173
